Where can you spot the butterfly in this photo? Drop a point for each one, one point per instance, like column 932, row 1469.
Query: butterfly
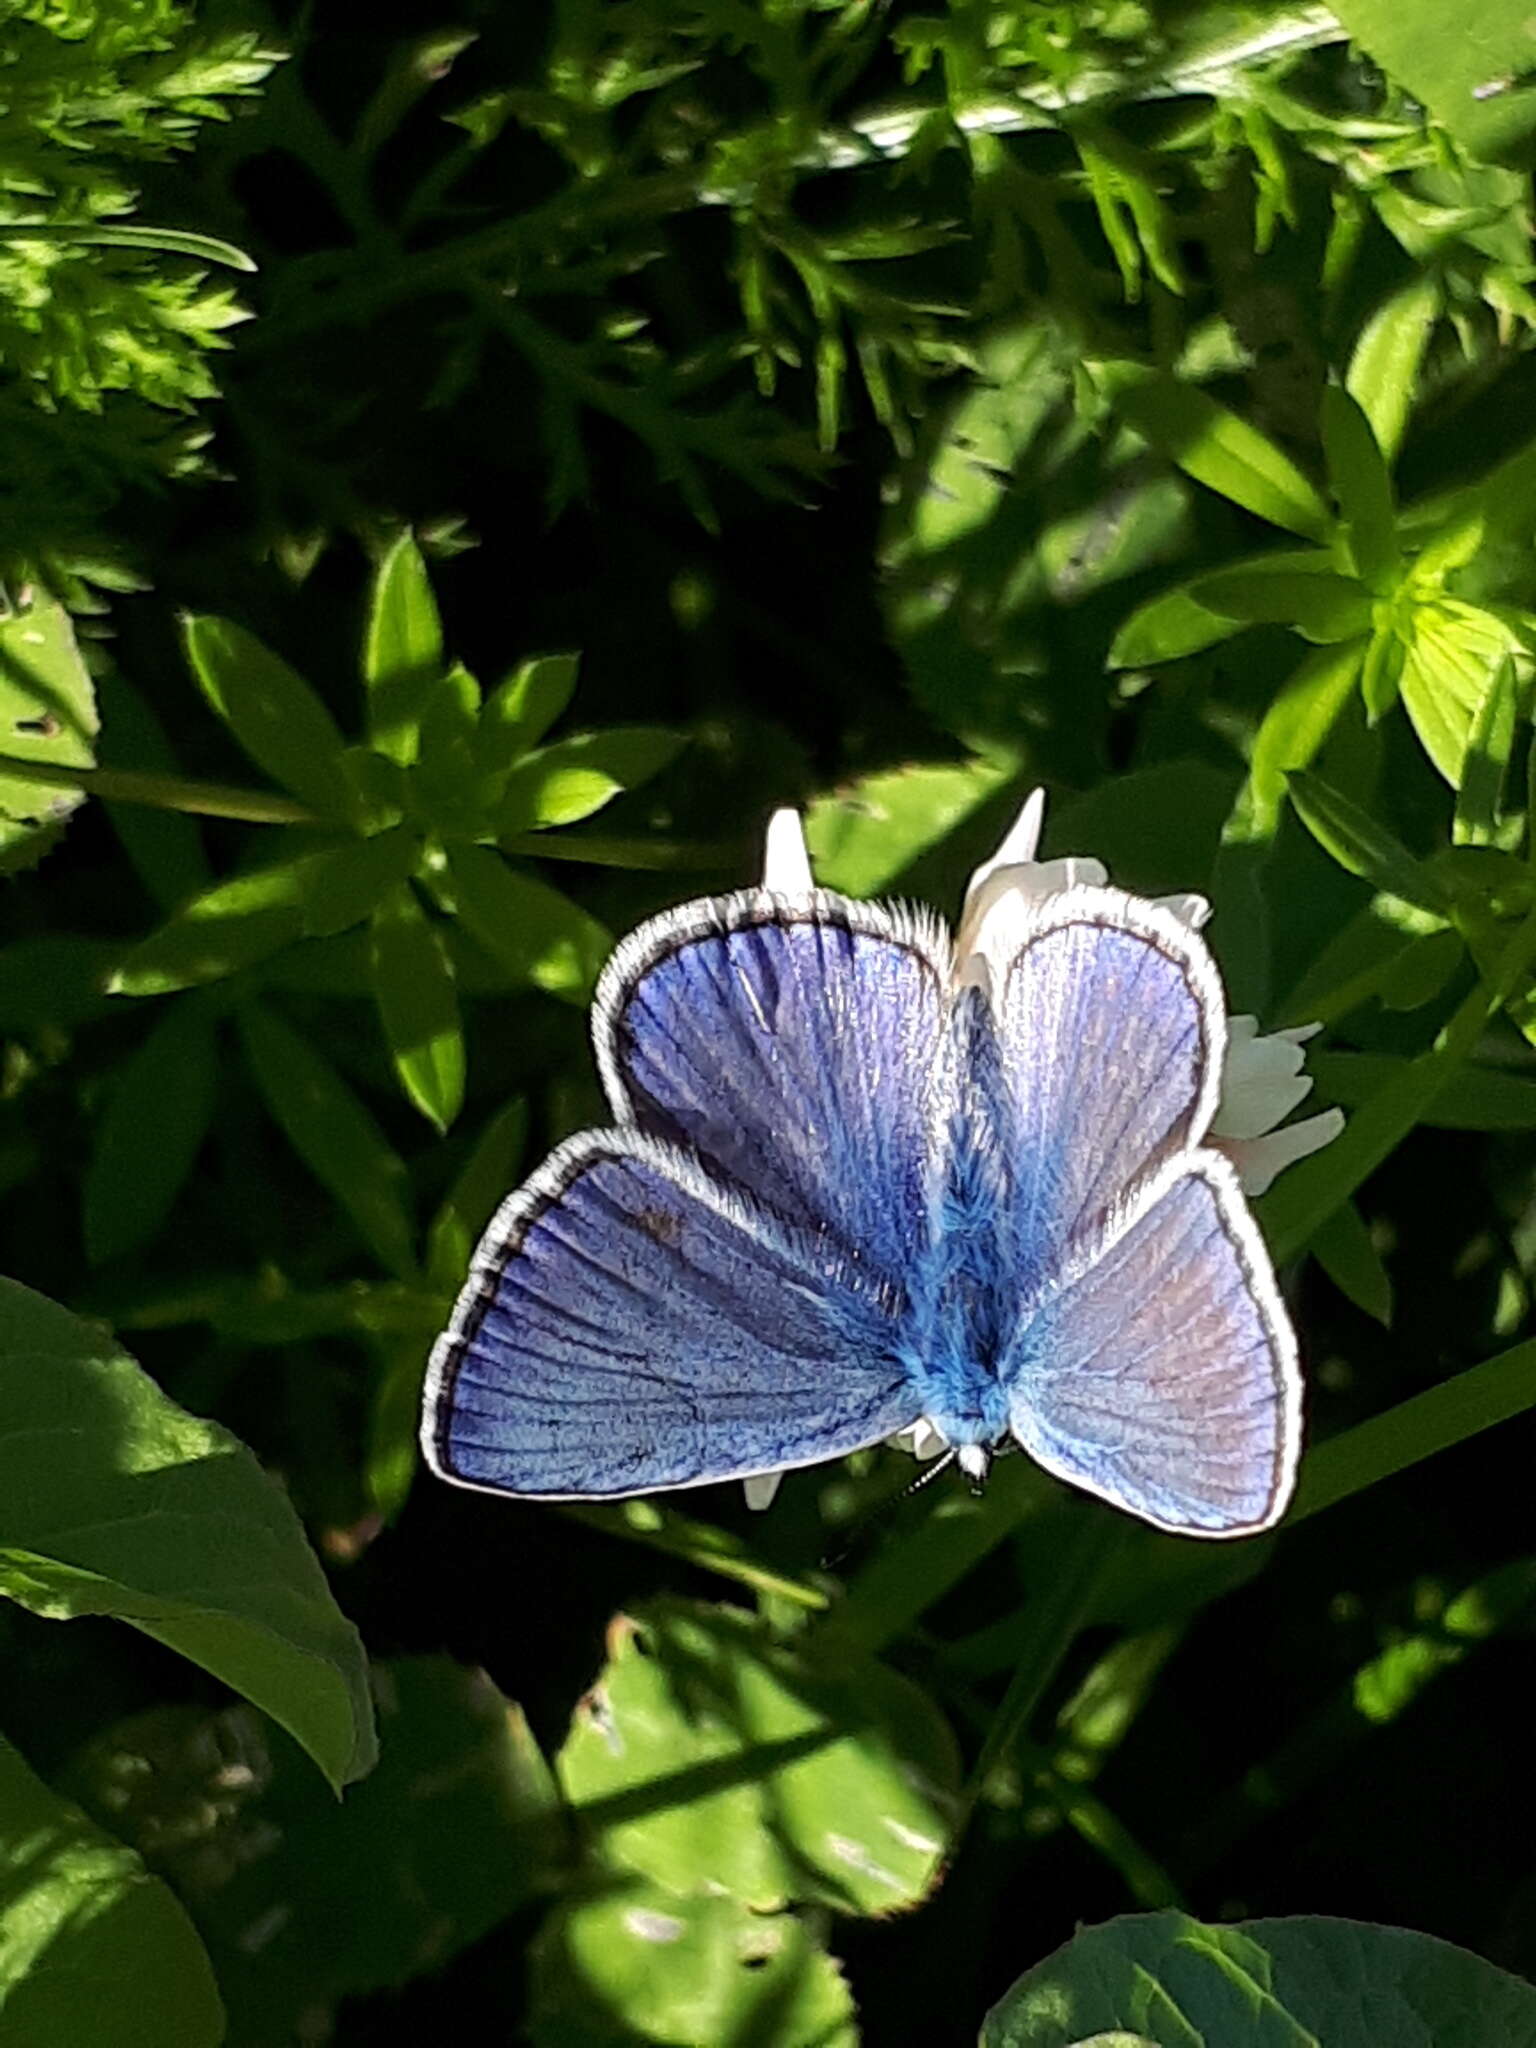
column 862, row 1177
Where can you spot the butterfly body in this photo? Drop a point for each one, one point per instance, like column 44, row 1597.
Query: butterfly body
column 855, row 1181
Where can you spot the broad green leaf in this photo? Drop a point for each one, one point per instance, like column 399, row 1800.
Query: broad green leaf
column 1357, row 842
column 457, row 1827
column 1293, row 732
column 48, row 714
column 1473, row 72
column 577, row 776
column 1297, row 1983
column 227, row 927
column 1217, row 448
column 635, row 1962
column 402, row 650
column 413, row 985
column 1384, row 369
column 1168, row 627
column 115, row 1501
column 1486, row 761
column 1321, row 606
column 1477, row 1098
column 1454, row 655
column 340, row 885
column 534, row 931
column 866, row 833
column 517, row 715
column 334, row 1135
column 155, row 1120
column 1343, row 1248
column 1359, row 479
column 483, row 1182
column 708, row 1756
column 92, row 1948
column 272, row 712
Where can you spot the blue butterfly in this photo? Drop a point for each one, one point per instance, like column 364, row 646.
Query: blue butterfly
column 860, row 1178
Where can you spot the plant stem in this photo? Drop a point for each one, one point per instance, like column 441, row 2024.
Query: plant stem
column 161, row 792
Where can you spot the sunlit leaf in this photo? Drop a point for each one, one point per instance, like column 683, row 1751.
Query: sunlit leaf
column 1384, row 369
column 1473, row 74
column 92, row 1948
column 1358, row 476
column 413, row 985
column 1454, row 654
column 229, row 926
column 482, row 1183
column 1486, row 762
column 538, row 934
column 577, row 776
column 862, row 836
column 402, row 650
column 272, row 712
column 1357, row 842
column 115, row 1501
column 47, row 714
column 517, row 715
column 1292, row 733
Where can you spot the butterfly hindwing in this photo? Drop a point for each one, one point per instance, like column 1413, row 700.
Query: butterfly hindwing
column 794, row 1045
column 629, row 1325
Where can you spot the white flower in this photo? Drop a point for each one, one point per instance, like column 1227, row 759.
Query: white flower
column 1262, row 1078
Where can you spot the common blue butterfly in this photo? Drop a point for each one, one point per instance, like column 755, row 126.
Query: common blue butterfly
column 861, row 1177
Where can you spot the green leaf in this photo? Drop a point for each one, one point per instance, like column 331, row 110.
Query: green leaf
column 1473, row 73
column 115, row 1501
column 1217, row 448
column 534, row 931
column 413, row 985
column 707, row 1756
column 1384, row 368
column 227, row 927
column 165, row 847
column 1359, row 479
column 1296, row 1983
column 636, row 1963
column 1381, row 675
column 1321, row 606
column 1365, row 848
column 92, row 1948
column 1293, row 732
column 482, row 1183
column 1422, row 969
column 1343, row 1248
column 577, row 776
column 1168, row 627
column 340, row 885
column 47, row 713
column 868, row 832
column 457, row 1827
column 1454, row 655
column 402, row 650
column 519, row 713
column 1485, row 764
column 334, row 1135
column 1475, row 1099
column 156, row 1118
column 447, row 781
column 272, row 712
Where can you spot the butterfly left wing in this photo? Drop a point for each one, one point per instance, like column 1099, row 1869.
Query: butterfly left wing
column 630, row 1325
column 1158, row 1369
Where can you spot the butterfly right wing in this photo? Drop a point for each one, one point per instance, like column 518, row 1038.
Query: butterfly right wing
column 630, row 1325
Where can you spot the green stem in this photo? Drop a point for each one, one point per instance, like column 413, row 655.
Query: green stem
column 161, row 792
column 697, row 1543
column 600, row 852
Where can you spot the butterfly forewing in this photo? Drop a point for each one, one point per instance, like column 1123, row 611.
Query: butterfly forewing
column 795, row 1046
column 629, row 1325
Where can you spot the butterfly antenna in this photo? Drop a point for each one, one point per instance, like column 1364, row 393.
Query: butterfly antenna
column 882, row 1513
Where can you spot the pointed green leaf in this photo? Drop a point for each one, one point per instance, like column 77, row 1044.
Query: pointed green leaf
column 869, row 831
column 1295, row 1983
column 1422, row 969
column 402, row 652
column 1344, row 1250
column 1477, row 1098
column 1381, row 674
column 339, row 885
column 1293, row 732
column 334, row 1135
column 519, row 713
column 227, row 927
column 47, row 713
column 156, row 1119
column 577, row 776
column 413, row 985
column 1473, row 73
column 1454, row 655
column 449, row 785
column 1486, row 761
column 483, row 1182
column 1321, row 606
column 272, row 712
column 1384, row 369
column 92, row 1948
column 540, row 935
column 1217, row 448
column 1363, row 489
column 1357, row 842
column 165, row 847
column 115, row 1501
column 1168, row 627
